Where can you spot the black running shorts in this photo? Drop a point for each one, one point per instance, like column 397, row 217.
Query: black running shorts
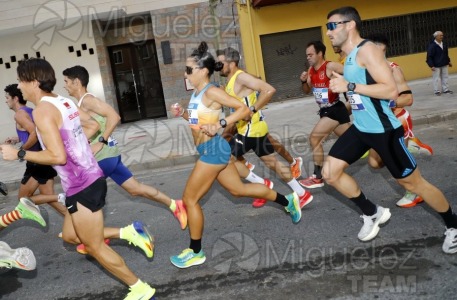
column 337, row 112
column 41, row 173
column 389, row 145
column 93, row 197
column 240, row 145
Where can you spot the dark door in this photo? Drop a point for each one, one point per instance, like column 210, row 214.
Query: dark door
column 137, row 78
column 284, row 59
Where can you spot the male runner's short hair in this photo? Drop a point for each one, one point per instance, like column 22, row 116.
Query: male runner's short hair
column 318, row 46
column 231, row 55
column 77, row 72
column 350, row 14
column 37, row 69
column 13, row 91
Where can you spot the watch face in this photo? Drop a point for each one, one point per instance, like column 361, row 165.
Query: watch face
column 21, row 154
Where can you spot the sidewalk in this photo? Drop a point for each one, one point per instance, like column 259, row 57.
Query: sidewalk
column 166, row 143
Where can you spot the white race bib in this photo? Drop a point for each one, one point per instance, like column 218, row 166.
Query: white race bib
column 112, row 141
column 320, row 95
column 356, row 101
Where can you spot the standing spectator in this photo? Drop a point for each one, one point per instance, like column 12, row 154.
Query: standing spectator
column 438, row 60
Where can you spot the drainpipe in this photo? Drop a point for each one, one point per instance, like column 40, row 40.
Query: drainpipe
column 254, row 48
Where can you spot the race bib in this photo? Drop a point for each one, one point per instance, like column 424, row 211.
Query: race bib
column 192, row 112
column 112, row 141
column 356, row 101
column 321, row 95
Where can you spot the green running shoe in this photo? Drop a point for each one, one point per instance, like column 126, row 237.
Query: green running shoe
column 138, row 235
column 294, row 207
column 188, row 258
column 29, row 210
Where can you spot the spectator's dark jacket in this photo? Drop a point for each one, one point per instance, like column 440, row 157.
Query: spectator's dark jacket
column 437, row 57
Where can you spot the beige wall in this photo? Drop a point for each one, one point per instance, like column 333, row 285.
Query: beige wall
column 27, row 27
column 60, row 58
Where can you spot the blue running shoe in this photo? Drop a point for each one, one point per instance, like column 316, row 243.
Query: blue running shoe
column 294, row 207
column 188, row 258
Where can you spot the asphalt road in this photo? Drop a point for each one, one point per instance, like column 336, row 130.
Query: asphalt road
column 258, row 253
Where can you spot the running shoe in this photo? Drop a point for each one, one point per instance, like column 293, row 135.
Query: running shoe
column 257, row 203
column 371, row 224
column 29, row 210
column 141, row 291
column 448, row 92
column 81, row 249
column 437, row 93
column 450, row 241
column 180, row 213
column 365, row 154
column 409, row 200
column 296, row 169
column 20, row 258
column 138, row 235
column 415, row 146
column 305, row 199
column 294, row 207
column 188, row 258
column 3, row 189
column 249, row 165
column 312, row 182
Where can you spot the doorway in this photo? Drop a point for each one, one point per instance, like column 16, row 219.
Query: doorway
column 137, row 79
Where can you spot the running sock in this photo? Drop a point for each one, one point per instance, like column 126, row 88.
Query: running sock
column 254, row 178
column 368, row 208
column 196, row 245
column 9, row 218
column 281, row 199
column 296, row 187
column 293, row 162
column 318, row 171
column 135, row 284
column 172, row 206
column 449, row 218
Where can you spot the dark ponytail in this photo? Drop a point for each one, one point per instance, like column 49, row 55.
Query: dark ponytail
column 204, row 59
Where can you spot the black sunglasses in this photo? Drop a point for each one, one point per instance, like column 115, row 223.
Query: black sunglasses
column 332, row 25
column 189, row 70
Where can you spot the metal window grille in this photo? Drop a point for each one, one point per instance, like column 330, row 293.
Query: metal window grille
column 409, row 34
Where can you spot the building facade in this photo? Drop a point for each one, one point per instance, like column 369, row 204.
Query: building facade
column 134, row 51
column 276, row 32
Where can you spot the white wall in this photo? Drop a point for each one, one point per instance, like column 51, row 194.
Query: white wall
column 57, row 54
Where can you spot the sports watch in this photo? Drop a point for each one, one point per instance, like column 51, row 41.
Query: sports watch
column 252, row 108
column 351, row 86
column 223, row 123
column 102, row 140
column 21, row 154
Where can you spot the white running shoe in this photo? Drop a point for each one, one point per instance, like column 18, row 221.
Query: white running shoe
column 20, row 258
column 371, row 224
column 450, row 241
column 409, row 200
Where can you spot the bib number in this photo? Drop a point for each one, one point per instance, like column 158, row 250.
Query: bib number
column 356, row 101
column 321, row 95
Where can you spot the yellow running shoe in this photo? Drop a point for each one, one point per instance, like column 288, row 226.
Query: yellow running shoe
column 138, row 235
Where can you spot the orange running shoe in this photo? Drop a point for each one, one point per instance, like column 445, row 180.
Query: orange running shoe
column 296, row 169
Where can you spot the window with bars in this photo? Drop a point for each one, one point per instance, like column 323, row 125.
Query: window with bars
column 409, row 34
